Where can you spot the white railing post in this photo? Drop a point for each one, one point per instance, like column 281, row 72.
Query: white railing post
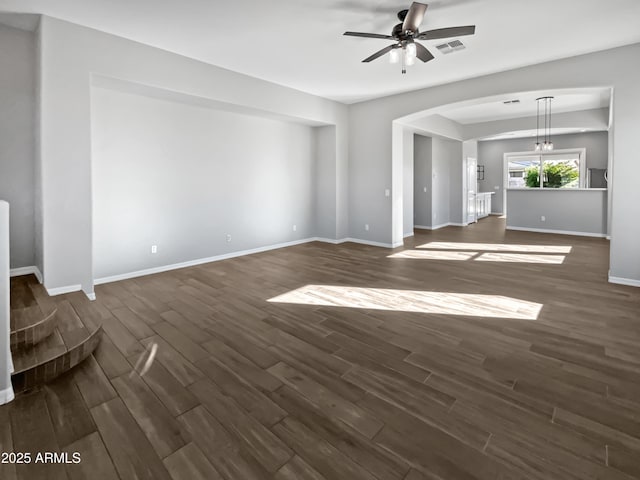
column 6, row 364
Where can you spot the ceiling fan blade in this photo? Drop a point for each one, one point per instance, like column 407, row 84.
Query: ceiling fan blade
column 447, row 32
column 422, row 53
column 379, row 53
column 414, row 17
column 368, row 35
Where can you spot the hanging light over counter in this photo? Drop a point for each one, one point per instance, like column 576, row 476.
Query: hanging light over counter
column 545, row 102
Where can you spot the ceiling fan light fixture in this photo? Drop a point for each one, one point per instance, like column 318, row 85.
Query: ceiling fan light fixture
column 411, row 49
column 394, row 56
column 409, row 59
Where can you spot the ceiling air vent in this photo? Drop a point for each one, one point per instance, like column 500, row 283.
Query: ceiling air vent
column 509, row 102
column 452, row 46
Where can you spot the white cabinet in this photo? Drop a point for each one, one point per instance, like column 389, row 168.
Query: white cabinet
column 483, row 203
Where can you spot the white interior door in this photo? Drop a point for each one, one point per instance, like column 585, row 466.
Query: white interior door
column 472, row 189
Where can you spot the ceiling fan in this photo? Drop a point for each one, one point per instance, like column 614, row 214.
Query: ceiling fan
column 407, row 32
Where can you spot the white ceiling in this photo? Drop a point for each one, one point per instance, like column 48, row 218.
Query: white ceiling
column 497, row 110
column 299, row 43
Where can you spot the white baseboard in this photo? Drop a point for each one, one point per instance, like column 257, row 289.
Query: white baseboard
column 16, row 272
column 91, row 296
column 624, row 281
column 433, row 227
column 216, row 258
column 558, row 232
column 328, row 240
column 6, row 395
column 452, row 224
column 497, row 214
column 62, row 290
column 200, row 261
column 371, row 243
column 408, row 235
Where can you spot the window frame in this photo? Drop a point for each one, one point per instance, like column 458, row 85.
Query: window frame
column 582, row 152
column 582, row 158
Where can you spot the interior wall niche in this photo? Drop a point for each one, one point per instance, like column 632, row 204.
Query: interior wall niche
column 193, row 181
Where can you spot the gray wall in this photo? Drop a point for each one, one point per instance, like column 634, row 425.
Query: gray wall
column 447, row 181
column 407, row 182
column 421, row 180
column 438, row 167
column 491, row 155
column 324, row 139
column 183, row 177
column 370, row 137
column 578, row 211
column 455, row 181
column 17, row 138
column 71, row 56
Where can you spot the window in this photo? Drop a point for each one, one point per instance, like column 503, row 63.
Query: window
column 519, row 168
column 561, row 169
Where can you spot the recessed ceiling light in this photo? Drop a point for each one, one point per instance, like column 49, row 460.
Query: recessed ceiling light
column 583, row 130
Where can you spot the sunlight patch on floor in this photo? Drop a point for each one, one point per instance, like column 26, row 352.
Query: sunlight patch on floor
column 520, row 258
column 498, row 247
column 467, row 304
column 434, row 255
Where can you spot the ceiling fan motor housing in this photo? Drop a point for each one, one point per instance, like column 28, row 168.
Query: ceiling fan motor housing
column 400, row 34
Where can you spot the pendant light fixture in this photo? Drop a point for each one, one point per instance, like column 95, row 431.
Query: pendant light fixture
column 548, row 144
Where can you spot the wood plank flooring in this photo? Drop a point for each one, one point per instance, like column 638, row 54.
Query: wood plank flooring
column 471, row 353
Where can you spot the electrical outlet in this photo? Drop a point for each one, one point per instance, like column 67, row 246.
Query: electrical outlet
column 366, row 227
column 425, row 189
column 228, row 237
column 295, row 227
column 497, row 187
column 387, row 192
column 154, row 249
column 543, row 218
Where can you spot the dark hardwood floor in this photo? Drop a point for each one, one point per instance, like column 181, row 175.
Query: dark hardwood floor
column 472, row 353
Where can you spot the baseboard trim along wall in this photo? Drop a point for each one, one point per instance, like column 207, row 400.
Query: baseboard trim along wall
column 558, row 232
column 442, row 225
column 216, row 258
column 630, row 282
column 199, row 261
column 17, row 272
column 328, row 240
column 6, row 395
column 62, row 290
column 357, row 240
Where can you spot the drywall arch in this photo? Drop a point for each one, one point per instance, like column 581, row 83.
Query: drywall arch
column 370, row 145
column 432, row 122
